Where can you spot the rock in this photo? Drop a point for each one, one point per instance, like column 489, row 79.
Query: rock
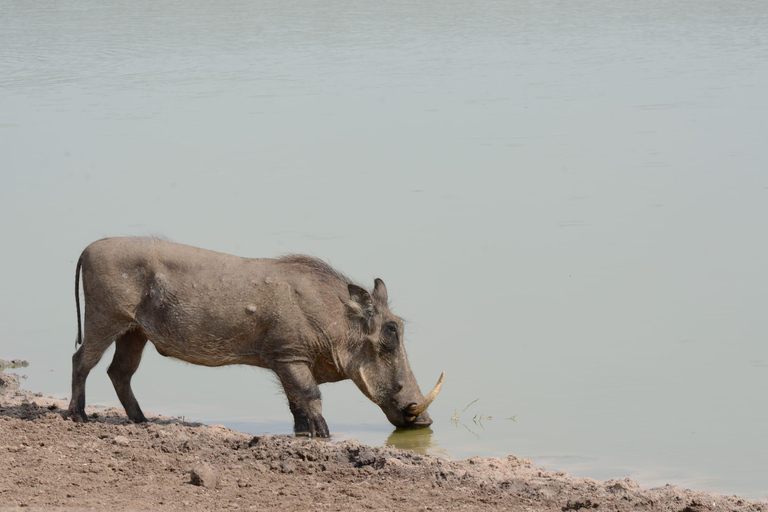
column 9, row 381
column 624, row 485
column 121, row 441
column 14, row 363
column 287, row 467
column 366, row 457
column 203, row 475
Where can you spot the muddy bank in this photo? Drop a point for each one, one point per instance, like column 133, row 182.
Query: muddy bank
column 47, row 462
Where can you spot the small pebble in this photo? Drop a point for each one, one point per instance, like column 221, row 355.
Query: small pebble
column 203, row 475
column 121, row 441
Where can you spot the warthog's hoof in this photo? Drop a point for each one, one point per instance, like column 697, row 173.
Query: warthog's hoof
column 78, row 416
column 315, row 427
column 137, row 417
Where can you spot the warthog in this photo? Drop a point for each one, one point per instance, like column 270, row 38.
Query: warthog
column 295, row 315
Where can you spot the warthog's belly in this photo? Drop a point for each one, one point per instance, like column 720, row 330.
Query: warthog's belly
column 219, row 354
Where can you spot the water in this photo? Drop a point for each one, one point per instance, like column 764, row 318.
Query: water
column 567, row 201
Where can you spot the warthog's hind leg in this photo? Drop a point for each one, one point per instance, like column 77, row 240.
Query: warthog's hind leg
column 124, row 364
column 83, row 361
column 303, row 399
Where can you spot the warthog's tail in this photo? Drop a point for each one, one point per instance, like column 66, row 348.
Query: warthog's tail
column 79, row 338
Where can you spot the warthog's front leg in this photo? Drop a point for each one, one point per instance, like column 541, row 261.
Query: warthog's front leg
column 303, row 399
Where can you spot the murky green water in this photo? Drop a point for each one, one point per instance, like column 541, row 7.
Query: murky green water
column 566, row 200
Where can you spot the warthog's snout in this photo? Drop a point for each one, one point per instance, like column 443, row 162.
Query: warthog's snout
column 402, row 418
column 415, row 415
column 420, row 421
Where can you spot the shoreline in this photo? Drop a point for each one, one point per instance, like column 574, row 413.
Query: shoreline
column 48, row 462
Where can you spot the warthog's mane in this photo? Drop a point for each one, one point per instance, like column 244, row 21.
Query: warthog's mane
column 316, row 266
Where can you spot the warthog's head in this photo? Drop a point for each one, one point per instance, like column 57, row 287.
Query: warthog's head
column 379, row 365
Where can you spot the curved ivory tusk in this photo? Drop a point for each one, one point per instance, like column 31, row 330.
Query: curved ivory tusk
column 419, row 408
column 367, row 390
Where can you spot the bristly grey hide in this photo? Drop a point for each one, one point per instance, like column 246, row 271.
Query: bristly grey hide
column 295, row 315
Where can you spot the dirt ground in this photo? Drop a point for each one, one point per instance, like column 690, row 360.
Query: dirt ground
column 50, row 463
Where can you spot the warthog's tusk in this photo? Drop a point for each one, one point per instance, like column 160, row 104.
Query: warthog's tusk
column 367, row 390
column 419, row 408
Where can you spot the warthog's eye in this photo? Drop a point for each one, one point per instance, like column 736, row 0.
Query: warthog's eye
column 389, row 336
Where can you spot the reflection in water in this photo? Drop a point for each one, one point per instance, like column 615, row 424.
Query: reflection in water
column 418, row 440
column 476, row 420
column 458, row 423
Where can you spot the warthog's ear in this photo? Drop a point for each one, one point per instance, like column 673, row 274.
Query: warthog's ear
column 380, row 292
column 360, row 303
